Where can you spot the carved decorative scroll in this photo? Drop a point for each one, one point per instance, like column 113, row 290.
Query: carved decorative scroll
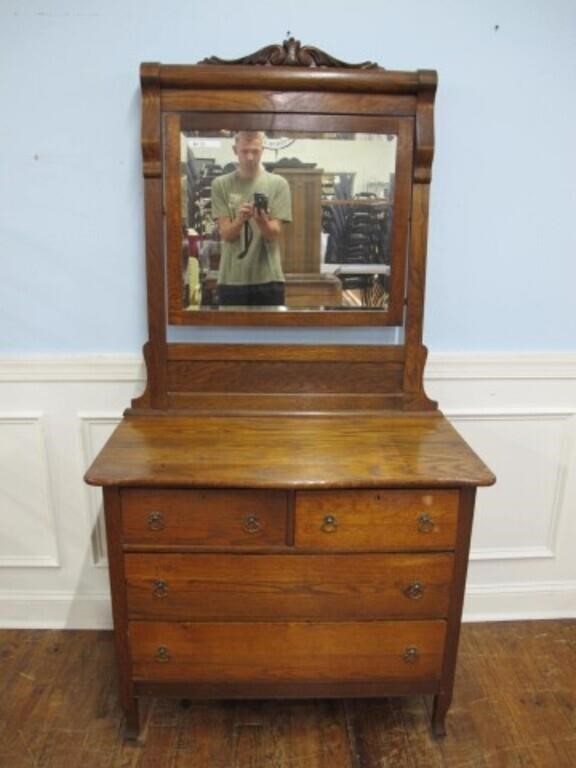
column 151, row 141
column 291, row 54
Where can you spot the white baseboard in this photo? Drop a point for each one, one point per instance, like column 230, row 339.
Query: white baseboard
column 514, row 602
column 54, row 610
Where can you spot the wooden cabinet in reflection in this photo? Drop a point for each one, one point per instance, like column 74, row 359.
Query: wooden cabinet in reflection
column 308, row 290
column 303, row 291
column 301, row 239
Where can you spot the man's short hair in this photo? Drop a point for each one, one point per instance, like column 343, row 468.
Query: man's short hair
column 248, row 136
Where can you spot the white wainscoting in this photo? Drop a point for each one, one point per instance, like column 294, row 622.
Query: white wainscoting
column 27, row 517
column 517, row 411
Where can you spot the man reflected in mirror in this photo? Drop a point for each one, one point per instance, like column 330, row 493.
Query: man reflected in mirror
column 250, row 206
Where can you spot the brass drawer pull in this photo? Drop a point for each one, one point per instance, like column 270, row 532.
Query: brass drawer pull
column 162, row 654
column 156, row 521
column 414, row 591
column 329, row 524
column 251, row 524
column 411, row 655
column 425, row 523
column 160, row 588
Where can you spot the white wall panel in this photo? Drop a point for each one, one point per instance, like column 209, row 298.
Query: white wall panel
column 28, row 538
column 96, row 429
column 518, row 517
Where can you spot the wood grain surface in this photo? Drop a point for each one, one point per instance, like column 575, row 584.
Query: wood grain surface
column 287, row 652
column 380, row 519
column 209, row 518
column 252, row 588
column 288, row 452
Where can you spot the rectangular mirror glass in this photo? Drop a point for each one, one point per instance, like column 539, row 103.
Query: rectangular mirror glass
column 283, row 221
column 335, row 237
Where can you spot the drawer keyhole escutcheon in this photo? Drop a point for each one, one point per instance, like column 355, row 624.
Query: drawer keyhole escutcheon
column 162, row 654
column 411, row 655
column 425, row 523
column 329, row 524
column 251, row 524
column 160, row 588
column 156, row 521
column 415, row 590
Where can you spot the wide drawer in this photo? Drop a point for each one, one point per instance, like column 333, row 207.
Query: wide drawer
column 379, row 519
column 259, row 587
column 204, row 517
column 287, row 651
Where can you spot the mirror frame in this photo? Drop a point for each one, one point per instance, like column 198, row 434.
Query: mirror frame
column 286, row 87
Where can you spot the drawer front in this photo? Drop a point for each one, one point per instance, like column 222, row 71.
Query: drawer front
column 376, row 520
column 287, row 651
column 204, row 517
column 202, row 587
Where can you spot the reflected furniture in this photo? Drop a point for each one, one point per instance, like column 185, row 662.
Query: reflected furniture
column 287, row 520
column 302, row 290
column 301, row 238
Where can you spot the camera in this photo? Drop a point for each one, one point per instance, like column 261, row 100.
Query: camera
column 261, row 202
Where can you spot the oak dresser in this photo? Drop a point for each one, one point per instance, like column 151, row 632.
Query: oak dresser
column 287, row 519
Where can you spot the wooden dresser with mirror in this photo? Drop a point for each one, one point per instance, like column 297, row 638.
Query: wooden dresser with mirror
column 288, row 520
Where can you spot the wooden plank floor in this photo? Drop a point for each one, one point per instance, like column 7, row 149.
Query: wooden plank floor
column 514, row 705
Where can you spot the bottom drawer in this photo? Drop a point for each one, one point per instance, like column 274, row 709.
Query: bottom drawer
column 294, row 652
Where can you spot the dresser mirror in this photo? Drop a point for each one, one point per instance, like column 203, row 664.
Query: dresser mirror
column 341, row 246
column 350, row 148
column 349, row 141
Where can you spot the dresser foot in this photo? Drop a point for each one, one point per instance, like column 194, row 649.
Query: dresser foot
column 438, row 722
column 132, row 721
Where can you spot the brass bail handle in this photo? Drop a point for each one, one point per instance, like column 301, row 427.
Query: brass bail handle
column 160, row 588
column 425, row 523
column 411, row 654
column 162, row 654
column 251, row 524
column 329, row 524
column 156, row 521
column 415, row 590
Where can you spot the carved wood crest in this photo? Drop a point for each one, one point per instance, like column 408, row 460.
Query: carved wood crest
column 291, row 53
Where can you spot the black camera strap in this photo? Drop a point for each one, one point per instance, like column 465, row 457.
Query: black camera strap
column 248, row 235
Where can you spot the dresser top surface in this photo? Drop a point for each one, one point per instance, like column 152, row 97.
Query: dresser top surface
column 299, row 451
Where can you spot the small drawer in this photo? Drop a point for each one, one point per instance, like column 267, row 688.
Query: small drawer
column 376, row 520
column 250, row 587
column 287, row 652
column 207, row 518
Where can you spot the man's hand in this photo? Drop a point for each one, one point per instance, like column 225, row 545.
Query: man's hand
column 246, row 212
column 270, row 228
column 231, row 229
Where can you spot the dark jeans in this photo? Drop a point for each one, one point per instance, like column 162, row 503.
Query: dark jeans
column 262, row 295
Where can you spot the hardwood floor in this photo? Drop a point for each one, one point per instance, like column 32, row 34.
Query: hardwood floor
column 514, row 706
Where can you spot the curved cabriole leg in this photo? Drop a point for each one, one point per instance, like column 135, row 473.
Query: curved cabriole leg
column 438, row 721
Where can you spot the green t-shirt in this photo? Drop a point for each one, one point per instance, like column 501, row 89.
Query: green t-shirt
column 262, row 261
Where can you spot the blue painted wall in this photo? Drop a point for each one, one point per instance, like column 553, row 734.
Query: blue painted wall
column 502, row 250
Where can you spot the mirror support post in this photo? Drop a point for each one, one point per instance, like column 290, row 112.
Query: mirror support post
column 155, row 355
column 416, row 352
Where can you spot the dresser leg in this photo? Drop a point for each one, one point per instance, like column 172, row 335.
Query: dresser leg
column 439, row 710
column 132, row 720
